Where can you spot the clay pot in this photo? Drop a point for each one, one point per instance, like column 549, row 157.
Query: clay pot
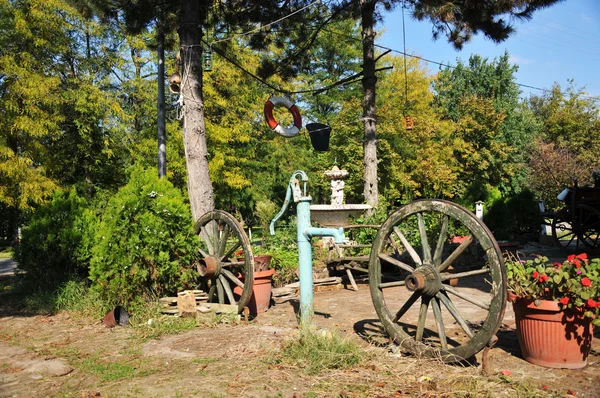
column 261, row 292
column 262, row 263
column 118, row 316
column 550, row 336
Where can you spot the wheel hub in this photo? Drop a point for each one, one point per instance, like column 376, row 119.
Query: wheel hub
column 425, row 279
column 209, row 266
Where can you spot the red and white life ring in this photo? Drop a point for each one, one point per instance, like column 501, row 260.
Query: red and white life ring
column 291, row 131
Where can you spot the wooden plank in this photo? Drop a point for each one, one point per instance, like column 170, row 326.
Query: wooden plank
column 347, row 260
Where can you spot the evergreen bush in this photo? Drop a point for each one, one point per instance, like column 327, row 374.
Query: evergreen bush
column 48, row 251
column 145, row 243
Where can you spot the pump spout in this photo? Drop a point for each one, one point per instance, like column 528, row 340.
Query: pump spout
column 336, row 233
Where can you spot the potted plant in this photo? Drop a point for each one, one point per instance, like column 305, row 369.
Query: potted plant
column 556, row 306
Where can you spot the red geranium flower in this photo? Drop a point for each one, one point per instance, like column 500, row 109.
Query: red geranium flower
column 535, row 274
column 564, row 300
column 557, row 264
column 591, row 303
column 574, row 260
column 582, row 256
column 543, row 278
column 585, row 281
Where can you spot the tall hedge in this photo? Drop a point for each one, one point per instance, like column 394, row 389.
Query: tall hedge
column 144, row 244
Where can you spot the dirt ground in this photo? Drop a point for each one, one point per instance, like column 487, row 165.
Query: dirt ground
column 67, row 356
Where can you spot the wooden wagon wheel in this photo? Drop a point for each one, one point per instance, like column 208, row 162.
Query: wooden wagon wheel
column 437, row 280
column 227, row 264
column 577, row 228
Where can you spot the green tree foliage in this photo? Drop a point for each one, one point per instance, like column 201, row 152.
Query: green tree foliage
column 32, row 35
column 145, row 243
column 460, row 20
column 568, row 147
column 49, row 250
column 482, row 98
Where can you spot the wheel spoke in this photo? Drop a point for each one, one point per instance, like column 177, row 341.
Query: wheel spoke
column 211, row 293
column 411, row 300
column 220, row 292
column 465, row 297
column 439, row 248
column 216, row 241
column 455, row 254
column 232, row 250
column 446, row 276
column 411, row 251
column 206, row 237
column 223, row 241
column 437, row 314
column 422, row 318
column 454, row 312
column 227, row 289
column 203, row 253
column 397, row 263
column 424, row 240
column 232, row 277
column 384, row 285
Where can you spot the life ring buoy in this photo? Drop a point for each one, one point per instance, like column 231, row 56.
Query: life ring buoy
column 291, row 131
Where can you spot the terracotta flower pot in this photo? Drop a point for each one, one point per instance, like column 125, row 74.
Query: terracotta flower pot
column 261, row 292
column 550, row 336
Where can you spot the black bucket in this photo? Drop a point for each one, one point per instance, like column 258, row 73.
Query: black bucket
column 319, row 136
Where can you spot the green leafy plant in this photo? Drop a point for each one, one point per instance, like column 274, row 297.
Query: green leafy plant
column 49, row 249
column 575, row 283
column 145, row 244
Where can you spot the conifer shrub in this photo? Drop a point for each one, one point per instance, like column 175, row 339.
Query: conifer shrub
column 144, row 244
column 48, row 251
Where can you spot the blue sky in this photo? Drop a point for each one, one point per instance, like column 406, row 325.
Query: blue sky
column 559, row 43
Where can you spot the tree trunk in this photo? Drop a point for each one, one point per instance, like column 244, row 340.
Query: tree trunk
column 371, row 191
column 200, row 188
column 162, row 140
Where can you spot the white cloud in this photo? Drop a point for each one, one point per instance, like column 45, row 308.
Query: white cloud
column 515, row 59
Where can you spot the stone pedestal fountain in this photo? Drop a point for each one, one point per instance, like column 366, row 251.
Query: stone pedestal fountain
column 336, row 214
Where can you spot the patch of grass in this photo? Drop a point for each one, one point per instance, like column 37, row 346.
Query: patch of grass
column 315, row 351
column 149, row 323
column 75, row 296
column 111, row 369
column 6, row 252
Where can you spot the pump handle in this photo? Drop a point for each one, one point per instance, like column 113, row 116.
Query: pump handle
column 293, row 189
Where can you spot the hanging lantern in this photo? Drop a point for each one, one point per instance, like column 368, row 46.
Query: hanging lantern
column 207, row 60
column 408, row 123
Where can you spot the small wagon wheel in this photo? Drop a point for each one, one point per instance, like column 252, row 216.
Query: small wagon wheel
column 437, row 280
column 577, row 228
column 227, row 263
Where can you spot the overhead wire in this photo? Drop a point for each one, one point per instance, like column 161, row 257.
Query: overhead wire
column 437, row 62
column 269, row 24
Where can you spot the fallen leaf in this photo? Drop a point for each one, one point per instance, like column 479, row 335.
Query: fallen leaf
column 507, row 372
column 571, row 392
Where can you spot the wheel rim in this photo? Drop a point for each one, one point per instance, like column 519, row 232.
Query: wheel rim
column 433, row 297
column 578, row 228
column 588, row 219
column 227, row 264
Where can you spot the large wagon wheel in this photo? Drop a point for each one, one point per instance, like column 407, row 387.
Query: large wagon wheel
column 578, row 227
column 437, row 280
column 227, row 262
